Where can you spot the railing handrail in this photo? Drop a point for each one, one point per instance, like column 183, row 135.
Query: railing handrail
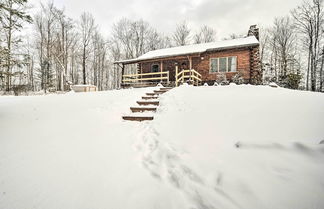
column 193, row 74
column 192, row 71
column 133, row 78
column 144, row 74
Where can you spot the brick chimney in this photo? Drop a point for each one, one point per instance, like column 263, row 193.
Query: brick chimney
column 254, row 31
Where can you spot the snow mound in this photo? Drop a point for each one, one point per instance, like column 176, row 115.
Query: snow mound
column 273, row 84
column 228, row 137
column 218, row 147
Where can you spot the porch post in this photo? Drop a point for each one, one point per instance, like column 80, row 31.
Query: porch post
column 176, row 76
column 141, row 72
column 190, row 66
column 123, row 72
column 161, row 64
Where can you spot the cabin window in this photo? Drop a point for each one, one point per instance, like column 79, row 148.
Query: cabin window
column 223, row 64
column 231, row 64
column 214, row 65
column 155, row 68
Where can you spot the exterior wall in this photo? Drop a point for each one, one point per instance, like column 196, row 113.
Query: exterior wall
column 243, row 64
column 247, row 59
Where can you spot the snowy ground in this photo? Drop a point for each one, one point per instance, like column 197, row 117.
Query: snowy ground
column 208, row 147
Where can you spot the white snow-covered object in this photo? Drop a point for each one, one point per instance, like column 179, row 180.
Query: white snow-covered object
column 84, row 88
column 273, row 85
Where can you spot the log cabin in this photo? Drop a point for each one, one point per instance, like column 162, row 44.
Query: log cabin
column 198, row 63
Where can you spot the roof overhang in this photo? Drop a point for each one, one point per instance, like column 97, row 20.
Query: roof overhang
column 139, row 59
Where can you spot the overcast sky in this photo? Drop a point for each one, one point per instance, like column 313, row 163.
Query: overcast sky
column 226, row 17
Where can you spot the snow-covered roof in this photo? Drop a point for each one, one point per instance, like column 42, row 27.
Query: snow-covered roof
column 194, row 49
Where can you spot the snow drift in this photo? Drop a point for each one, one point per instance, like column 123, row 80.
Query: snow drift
column 208, row 147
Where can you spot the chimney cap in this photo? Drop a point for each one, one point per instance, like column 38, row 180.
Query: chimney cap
column 254, row 31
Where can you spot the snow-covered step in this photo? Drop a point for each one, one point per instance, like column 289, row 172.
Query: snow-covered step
column 165, row 88
column 152, row 94
column 160, row 91
column 138, row 118
column 143, row 109
column 149, row 102
column 149, row 97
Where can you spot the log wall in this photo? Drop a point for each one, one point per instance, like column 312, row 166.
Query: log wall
column 247, row 64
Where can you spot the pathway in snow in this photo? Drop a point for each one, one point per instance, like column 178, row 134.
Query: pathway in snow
column 164, row 163
column 149, row 103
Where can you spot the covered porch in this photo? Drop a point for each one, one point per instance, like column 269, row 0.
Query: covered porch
column 168, row 71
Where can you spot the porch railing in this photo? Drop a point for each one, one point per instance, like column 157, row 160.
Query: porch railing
column 146, row 77
column 188, row 75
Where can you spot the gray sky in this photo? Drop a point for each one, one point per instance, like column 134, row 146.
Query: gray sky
column 226, row 17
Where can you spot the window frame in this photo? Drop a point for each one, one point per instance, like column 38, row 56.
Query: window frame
column 218, row 62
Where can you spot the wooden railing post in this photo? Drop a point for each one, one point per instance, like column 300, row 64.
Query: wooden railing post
column 176, row 76
column 183, row 75
column 168, row 74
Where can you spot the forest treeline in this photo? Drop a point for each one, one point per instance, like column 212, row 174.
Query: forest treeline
column 49, row 51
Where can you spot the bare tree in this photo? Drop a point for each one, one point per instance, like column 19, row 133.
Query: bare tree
column 234, row 36
column 136, row 37
column 87, row 27
column 30, row 64
column 205, row 35
column 264, row 42
column 12, row 17
column 284, row 35
column 279, row 53
column 321, row 74
column 99, row 60
column 45, row 27
column 309, row 20
column 157, row 41
column 181, row 36
column 64, row 39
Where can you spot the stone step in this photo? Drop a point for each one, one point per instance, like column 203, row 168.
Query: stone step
column 150, row 97
column 138, row 118
column 143, row 109
column 148, row 102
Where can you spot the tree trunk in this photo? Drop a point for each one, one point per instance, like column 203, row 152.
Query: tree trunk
column 308, row 69
column 84, row 65
column 321, row 71
column 8, row 82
